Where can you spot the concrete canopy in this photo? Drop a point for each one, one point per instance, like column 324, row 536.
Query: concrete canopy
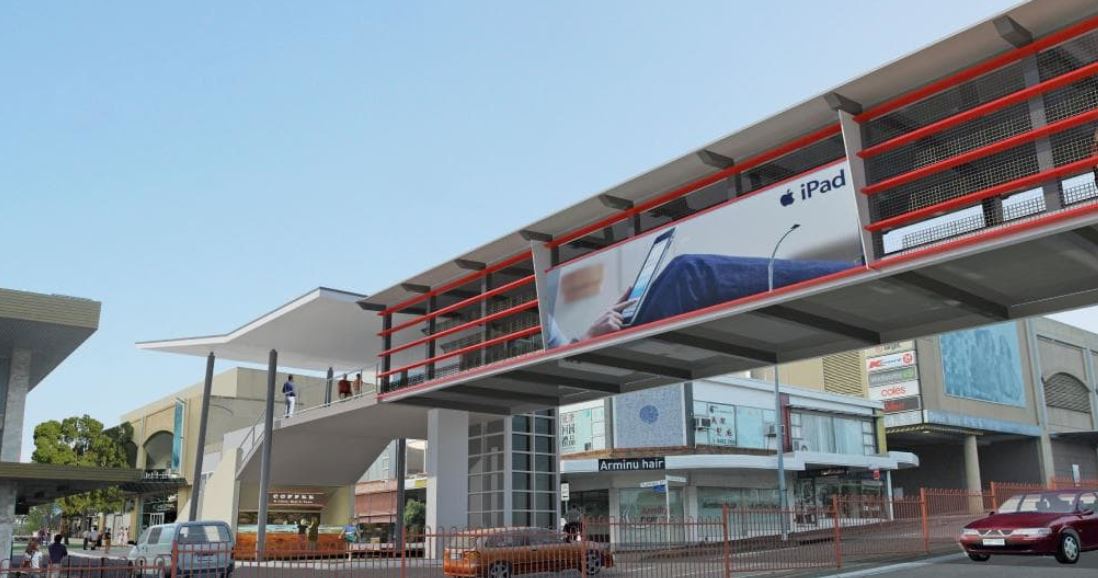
column 50, row 326
column 323, row 328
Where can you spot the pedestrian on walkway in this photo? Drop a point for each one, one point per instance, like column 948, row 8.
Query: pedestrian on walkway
column 32, row 557
column 344, row 387
column 87, row 536
column 289, row 390
column 94, row 537
column 58, row 552
column 107, row 541
column 357, row 385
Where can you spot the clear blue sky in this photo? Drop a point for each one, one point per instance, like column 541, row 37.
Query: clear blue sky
column 193, row 165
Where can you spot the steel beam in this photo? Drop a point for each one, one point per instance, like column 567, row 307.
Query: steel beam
column 203, row 420
column 562, row 381
column 503, row 394
column 265, row 463
column 716, row 346
column 822, row 323
column 638, row 363
column 969, row 301
column 421, row 401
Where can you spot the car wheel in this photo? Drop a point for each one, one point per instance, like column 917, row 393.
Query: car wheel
column 978, row 557
column 499, row 570
column 1068, row 552
column 594, row 562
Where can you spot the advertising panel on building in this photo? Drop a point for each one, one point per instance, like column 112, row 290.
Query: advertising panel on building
column 714, row 256
column 984, row 364
column 582, row 430
column 894, row 378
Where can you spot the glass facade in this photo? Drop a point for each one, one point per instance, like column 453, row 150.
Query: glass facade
column 726, row 425
column 832, row 434
column 534, row 484
column 486, row 452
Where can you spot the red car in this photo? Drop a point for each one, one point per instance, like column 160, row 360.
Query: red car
column 1061, row 524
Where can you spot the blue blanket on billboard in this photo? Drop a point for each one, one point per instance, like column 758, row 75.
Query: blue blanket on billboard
column 691, row 282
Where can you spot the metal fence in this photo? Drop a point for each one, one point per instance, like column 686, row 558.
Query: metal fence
column 740, row 541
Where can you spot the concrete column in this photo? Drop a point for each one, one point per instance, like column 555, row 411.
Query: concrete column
column 447, row 470
column 972, row 465
column 18, row 383
column 7, row 518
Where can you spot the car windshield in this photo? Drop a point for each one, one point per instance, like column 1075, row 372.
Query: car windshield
column 1046, row 502
column 203, row 534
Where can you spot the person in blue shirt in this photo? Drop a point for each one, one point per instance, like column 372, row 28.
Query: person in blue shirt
column 290, row 392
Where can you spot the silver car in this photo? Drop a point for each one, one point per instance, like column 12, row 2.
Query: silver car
column 201, row 549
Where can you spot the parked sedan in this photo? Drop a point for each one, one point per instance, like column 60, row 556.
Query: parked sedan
column 505, row 552
column 1061, row 524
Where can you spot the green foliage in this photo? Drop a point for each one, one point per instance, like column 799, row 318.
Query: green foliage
column 82, row 441
column 415, row 515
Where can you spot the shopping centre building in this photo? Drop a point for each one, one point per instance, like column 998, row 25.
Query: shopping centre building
column 915, row 200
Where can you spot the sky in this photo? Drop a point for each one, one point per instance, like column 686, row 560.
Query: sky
column 193, row 165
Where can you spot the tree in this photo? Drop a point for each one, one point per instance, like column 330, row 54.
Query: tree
column 82, row 441
column 415, row 516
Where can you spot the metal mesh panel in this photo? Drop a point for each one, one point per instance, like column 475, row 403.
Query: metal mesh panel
column 1071, row 100
column 1074, row 144
column 986, row 88
column 1079, row 193
column 1068, row 56
column 1024, row 208
column 980, row 174
column 951, row 142
column 943, row 231
column 793, row 164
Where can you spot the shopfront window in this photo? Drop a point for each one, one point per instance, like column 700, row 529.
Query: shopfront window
column 650, row 504
column 725, row 425
column 583, row 430
column 832, row 434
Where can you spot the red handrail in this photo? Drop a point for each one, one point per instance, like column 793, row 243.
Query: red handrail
column 986, row 108
column 458, row 282
column 463, row 350
column 980, row 69
column 694, row 185
column 450, row 331
column 994, row 191
column 981, row 152
column 460, row 304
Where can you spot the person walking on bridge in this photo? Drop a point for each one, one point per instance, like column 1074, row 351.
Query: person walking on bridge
column 289, row 390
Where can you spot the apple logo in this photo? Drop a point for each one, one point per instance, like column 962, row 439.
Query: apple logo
column 787, row 198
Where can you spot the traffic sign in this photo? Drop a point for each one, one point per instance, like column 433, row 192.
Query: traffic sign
column 564, row 491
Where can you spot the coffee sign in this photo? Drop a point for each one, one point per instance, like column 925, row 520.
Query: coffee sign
column 297, row 499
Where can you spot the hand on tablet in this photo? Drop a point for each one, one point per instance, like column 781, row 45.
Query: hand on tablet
column 611, row 320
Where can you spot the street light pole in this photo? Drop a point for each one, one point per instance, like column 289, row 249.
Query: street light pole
column 779, row 423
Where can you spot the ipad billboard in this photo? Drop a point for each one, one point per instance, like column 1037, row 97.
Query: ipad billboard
column 717, row 255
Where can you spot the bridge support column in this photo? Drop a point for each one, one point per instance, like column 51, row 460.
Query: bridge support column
column 447, row 471
column 265, row 464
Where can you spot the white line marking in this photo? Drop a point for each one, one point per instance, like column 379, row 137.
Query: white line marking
column 897, row 567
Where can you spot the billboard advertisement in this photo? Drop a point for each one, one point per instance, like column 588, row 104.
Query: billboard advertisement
column 894, row 379
column 717, row 255
column 984, row 364
column 653, row 418
column 177, row 436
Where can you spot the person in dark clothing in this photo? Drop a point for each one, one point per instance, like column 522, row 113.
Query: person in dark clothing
column 58, row 551
column 289, row 390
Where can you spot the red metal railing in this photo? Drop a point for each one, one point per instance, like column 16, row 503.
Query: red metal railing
column 978, row 70
column 468, row 349
column 982, row 110
column 464, row 279
column 460, row 304
column 531, row 304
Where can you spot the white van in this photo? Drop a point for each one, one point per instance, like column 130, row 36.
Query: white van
column 204, row 549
